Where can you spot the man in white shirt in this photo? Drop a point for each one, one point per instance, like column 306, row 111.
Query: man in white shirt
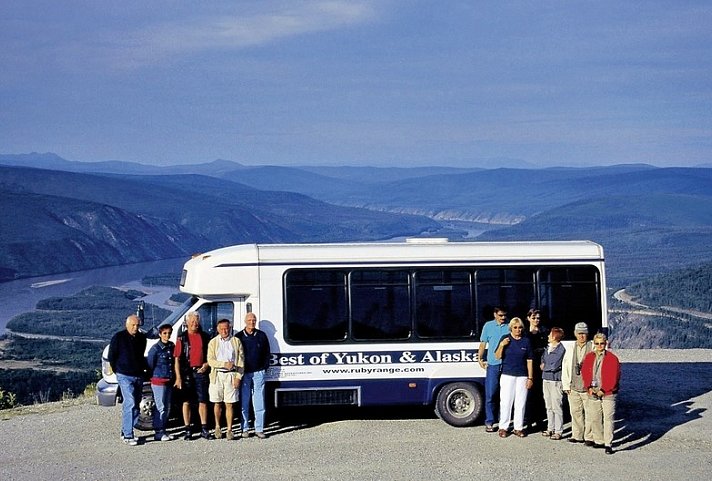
column 227, row 360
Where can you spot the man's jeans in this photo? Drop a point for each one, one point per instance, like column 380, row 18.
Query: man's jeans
column 492, row 394
column 253, row 387
column 131, row 390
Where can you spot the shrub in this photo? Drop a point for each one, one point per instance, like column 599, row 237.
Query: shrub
column 8, row 399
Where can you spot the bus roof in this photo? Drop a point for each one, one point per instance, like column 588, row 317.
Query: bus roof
column 415, row 251
column 234, row 270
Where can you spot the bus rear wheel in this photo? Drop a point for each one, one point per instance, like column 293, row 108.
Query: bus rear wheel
column 459, row 403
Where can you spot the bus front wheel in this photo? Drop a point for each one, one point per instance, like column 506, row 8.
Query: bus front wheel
column 459, row 403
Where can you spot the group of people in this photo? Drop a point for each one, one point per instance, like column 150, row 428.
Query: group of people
column 526, row 365
column 528, row 372
column 223, row 370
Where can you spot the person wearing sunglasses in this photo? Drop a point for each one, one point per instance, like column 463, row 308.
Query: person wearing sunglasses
column 492, row 332
column 516, row 353
column 535, row 416
column 601, row 372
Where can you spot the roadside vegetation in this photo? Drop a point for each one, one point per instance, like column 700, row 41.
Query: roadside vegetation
column 671, row 310
column 685, row 288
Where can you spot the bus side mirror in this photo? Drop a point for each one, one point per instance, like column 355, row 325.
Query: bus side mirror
column 139, row 312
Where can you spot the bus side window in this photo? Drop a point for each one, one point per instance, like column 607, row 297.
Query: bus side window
column 315, row 306
column 512, row 289
column 443, row 302
column 568, row 295
column 380, row 305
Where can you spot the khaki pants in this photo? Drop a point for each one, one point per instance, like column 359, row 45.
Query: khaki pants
column 602, row 414
column 580, row 429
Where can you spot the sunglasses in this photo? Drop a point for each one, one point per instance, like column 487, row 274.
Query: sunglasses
column 599, row 343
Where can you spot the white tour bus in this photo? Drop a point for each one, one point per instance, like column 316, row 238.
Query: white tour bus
column 366, row 324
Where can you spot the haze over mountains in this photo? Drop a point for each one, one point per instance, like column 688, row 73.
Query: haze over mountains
column 648, row 219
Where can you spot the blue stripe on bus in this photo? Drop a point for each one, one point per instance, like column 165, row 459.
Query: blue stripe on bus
column 411, row 263
column 336, row 357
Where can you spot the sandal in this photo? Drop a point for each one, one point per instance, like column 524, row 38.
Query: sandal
column 520, row 434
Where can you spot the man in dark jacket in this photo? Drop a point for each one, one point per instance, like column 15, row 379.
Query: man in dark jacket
column 126, row 357
column 256, row 347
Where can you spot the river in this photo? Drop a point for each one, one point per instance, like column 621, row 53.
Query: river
column 22, row 295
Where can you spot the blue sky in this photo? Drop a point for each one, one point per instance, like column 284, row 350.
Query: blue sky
column 387, row 82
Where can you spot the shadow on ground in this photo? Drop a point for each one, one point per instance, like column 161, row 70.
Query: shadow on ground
column 303, row 418
column 656, row 397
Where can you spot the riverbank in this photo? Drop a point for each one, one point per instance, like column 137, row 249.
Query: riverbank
column 19, row 296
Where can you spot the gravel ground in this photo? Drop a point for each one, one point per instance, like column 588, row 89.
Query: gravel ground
column 664, row 431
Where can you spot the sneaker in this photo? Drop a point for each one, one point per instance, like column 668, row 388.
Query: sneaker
column 218, row 433
column 131, row 441
column 261, row 435
column 245, row 434
column 166, row 437
column 187, row 436
column 205, row 434
column 229, row 436
column 555, row 437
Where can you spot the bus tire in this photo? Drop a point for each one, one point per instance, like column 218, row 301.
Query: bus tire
column 459, row 403
column 145, row 416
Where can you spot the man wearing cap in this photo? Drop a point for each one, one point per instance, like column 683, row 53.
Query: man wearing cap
column 573, row 385
column 492, row 332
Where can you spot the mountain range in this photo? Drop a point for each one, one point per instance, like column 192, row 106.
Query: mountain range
column 648, row 219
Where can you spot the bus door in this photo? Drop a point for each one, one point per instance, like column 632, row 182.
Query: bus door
column 241, row 308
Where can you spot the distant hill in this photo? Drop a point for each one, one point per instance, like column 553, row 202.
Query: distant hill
column 49, row 234
column 649, row 219
column 380, row 175
column 642, row 235
column 511, row 195
column 65, row 221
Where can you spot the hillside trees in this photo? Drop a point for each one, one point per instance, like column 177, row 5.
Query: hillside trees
column 686, row 288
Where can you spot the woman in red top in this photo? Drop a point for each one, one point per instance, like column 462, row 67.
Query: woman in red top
column 601, row 373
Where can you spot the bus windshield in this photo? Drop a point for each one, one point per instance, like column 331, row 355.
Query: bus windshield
column 175, row 315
